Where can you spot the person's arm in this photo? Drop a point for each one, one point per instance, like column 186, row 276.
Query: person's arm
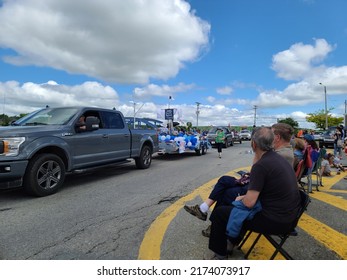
column 249, row 199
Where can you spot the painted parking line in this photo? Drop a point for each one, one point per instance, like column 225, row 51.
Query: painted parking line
column 150, row 248
column 324, row 234
column 151, row 243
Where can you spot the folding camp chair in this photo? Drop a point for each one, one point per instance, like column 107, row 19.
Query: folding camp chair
column 278, row 240
column 300, row 173
column 316, row 166
column 302, row 170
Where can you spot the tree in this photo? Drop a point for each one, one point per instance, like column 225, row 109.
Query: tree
column 4, row 120
column 319, row 119
column 290, row 121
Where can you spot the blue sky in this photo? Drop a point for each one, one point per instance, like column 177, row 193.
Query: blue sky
column 231, row 56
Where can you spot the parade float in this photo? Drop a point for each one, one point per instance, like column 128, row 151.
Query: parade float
column 181, row 143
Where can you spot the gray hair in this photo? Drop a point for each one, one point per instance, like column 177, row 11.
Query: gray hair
column 263, row 138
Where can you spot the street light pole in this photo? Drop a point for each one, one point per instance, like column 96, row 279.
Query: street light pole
column 197, row 113
column 326, row 110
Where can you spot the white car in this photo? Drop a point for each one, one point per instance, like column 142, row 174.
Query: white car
column 245, row 134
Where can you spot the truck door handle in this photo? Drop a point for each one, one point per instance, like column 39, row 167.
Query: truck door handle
column 105, row 136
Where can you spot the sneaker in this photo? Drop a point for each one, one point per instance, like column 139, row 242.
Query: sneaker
column 206, row 232
column 212, row 256
column 195, row 211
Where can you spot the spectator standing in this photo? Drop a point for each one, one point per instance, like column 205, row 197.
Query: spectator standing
column 338, row 141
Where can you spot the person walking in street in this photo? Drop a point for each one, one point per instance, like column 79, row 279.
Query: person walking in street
column 220, row 137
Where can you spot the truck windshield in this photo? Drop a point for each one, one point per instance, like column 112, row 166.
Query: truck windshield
column 48, row 116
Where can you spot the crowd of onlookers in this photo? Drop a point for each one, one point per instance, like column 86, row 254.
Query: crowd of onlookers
column 267, row 198
column 328, row 160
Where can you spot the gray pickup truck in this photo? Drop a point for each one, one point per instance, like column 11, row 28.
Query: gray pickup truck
column 38, row 150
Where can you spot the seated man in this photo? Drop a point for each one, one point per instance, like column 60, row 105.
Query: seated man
column 273, row 183
column 228, row 187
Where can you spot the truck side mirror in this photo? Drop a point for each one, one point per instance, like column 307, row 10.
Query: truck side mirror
column 92, row 123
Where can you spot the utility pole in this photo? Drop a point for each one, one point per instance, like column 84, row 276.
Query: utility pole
column 135, row 112
column 345, row 114
column 326, row 110
column 255, row 107
column 197, row 113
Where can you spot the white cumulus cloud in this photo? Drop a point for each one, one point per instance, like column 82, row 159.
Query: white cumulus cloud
column 299, row 60
column 121, row 41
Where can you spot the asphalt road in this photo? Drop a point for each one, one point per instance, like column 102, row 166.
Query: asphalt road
column 105, row 214
column 122, row 213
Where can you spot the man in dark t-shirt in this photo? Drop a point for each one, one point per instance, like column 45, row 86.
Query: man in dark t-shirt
column 276, row 183
column 273, row 183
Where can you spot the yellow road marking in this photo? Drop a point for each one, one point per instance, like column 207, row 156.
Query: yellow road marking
column 151, row 245
column 338, row 202
column 329, row 237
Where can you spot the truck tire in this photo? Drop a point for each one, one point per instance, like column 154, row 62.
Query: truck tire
column 203, row 149
column 45, row 175
column 198, row 151
column 145, row 159
column 226, row 143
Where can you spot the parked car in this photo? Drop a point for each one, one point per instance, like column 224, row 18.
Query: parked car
column 39, row 149
column 245, row 134
column 327, row 139
column 211, row 136
column 318, row 135
column 143, row 123
column 236, row 137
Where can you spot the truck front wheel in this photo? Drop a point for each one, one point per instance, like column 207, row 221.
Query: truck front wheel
column 145, row 159
column 45, row 175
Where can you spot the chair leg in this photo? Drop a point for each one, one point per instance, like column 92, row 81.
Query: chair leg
column 309, row 183
column 278, row 246
column 252, row 246
column 244, row 240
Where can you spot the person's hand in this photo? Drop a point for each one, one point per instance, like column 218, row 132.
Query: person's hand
column 240, row 197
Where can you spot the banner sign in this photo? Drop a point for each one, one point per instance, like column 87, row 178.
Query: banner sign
column 169, row 114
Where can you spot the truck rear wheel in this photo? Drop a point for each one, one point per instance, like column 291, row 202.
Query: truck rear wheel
column 198, row 151
column 226, row 143
column 145, row 159
column 203, row 149
column 45, row 175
